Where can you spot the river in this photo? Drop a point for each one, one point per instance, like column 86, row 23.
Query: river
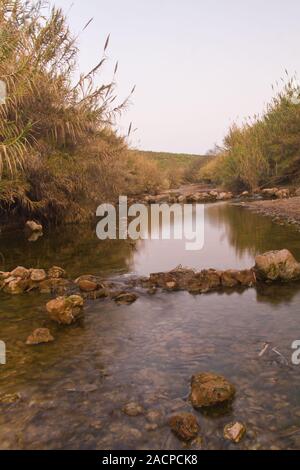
column 72, row 391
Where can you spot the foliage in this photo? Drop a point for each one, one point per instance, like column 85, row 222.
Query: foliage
column 264, row 150
column 56, row 134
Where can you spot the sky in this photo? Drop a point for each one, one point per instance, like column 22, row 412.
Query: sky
column 198, row 65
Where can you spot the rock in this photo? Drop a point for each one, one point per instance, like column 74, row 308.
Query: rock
column 232, row 278
column 245, row 194
column 204, row 281
column 39, row 336
column 20, row 272
column 34, row 236
column 209, row 389
column 125, row 298
column 87, row 286
column 185, row 426
column 133, row 410
column 16, row 286
column 277, row 266
column 33, row 226
column 9, row 279
column 38, row 275
column 224, row 196
column 56, row 273
column 171, row 285
column 270, row 192
column 297, row 192
column 229, row 278
column 4, row 275
column 65, row 310
column 246, row 277
column 282, row 194
column 234, row 432
column 45, row 287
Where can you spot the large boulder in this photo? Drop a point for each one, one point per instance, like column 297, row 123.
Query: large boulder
column 65, row 310
column 277, row 266
column 209, row 389
column 185, row 426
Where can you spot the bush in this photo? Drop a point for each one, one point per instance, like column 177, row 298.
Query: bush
column 263, row 151
column 56, row 135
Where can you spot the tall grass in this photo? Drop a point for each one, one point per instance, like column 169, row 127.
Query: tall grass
column 264, row 150
column 58, row 149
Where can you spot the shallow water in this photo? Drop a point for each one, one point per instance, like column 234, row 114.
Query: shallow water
column 73, row 390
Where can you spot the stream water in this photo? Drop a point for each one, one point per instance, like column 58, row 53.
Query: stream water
column 71, row 392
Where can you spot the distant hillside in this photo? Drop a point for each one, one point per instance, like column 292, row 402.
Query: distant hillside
column 188, row 165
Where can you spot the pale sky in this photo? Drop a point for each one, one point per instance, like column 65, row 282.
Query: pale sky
column 198, row 65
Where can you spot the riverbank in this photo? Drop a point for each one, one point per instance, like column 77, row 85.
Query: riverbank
column 280, row 210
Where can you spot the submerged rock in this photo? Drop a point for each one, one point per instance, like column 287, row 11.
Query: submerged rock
column 208, row 389
column 65, row 310
column 125, row 298
column 39, row 336
column 133, row 409
column 234, row 432
column 277, row 266
column 185, row 426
